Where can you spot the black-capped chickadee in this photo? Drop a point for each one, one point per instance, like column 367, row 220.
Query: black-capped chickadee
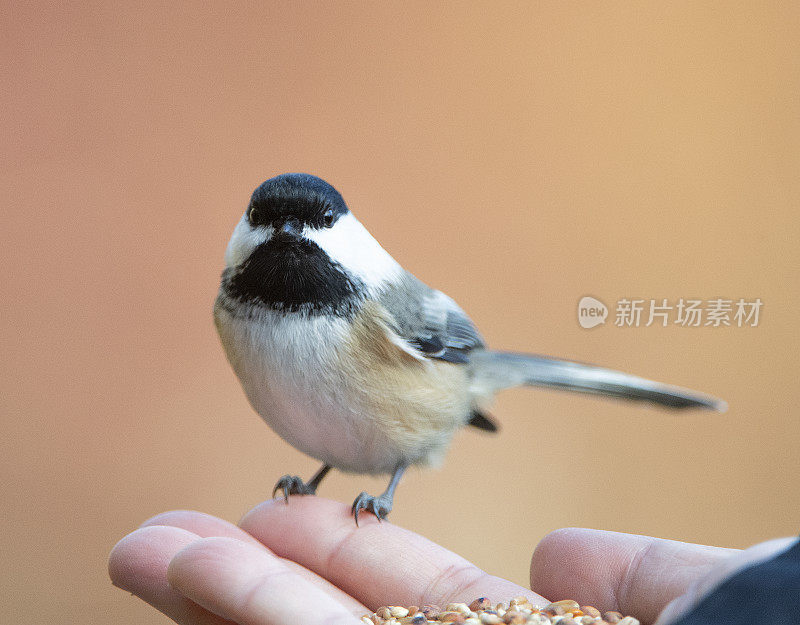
column 353, row 360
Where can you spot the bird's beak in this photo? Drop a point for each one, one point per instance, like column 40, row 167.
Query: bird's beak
column 292, row 228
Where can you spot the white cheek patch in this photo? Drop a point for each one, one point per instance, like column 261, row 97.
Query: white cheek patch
column 243, row 241
column 349, row 244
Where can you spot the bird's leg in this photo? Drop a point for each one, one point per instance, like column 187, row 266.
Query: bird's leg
column 293, row 485
column 381, row 505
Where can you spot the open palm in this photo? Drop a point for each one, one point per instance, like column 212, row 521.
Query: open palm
column 308, row 563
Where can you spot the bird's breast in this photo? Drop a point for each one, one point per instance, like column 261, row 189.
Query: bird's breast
column 340, row 391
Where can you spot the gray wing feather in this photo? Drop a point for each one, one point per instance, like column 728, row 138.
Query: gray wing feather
column 430, row 321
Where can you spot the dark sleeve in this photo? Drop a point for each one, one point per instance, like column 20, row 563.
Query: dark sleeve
column 768, row 592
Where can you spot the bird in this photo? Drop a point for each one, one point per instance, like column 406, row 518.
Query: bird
column 353, row 360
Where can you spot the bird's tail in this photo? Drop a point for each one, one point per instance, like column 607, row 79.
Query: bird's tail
column 494, row 371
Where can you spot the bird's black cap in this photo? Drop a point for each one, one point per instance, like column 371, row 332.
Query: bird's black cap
column 302, row 197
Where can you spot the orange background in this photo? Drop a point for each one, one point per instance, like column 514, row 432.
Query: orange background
column 517, row 156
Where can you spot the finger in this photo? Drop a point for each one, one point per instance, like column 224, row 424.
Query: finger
column 631, row 574
column 377, row 563
column 138, row 563
column 247, row 585
column 206, row 525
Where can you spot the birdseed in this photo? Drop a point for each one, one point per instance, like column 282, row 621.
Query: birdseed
column 518, row 611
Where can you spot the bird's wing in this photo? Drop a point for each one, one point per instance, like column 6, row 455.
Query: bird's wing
column 429, row 322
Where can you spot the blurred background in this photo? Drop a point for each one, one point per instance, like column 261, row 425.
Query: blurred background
column 518, row 156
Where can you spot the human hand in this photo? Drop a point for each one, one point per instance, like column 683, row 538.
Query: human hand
column 305, row 562
column 650, row 578
column 308, row 563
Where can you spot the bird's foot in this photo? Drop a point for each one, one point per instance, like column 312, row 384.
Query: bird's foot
column 380, row 506
column 293, row 485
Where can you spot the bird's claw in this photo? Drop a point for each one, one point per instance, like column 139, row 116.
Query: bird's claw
column 380, row 506
column 293, row 485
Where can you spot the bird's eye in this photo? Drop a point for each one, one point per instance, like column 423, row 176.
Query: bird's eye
column 328, row 218
column 254, row 216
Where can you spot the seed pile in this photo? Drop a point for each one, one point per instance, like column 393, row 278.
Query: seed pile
column 483, row 612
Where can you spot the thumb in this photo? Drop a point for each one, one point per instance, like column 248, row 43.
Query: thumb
column 636, row 575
